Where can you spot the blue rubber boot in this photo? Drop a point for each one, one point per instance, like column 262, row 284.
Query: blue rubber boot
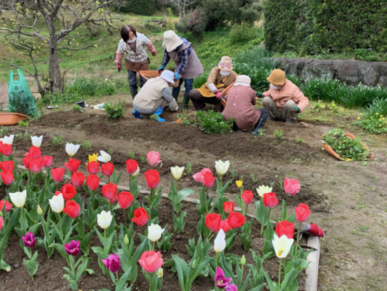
column 136, row 114
column 160, row 119
column 159, row 111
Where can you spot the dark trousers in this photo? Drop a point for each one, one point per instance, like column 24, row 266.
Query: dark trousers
column 188, row 84
column 259, row 124
column 199, row 101
column 132, row 77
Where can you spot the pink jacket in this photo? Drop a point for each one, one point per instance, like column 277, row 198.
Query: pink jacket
column 288, row 92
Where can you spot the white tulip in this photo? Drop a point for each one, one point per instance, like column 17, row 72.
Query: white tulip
column 222, row 167
column 263, row 190
column 160, row 273
column 37, row 141
column 104, row 219
column 7, row 139
column 220, row 241
column 136, row 173
column 18, row 198
column 57, row 203
column 282, row 245
column 104, row 157
column 177, row 172
column 155, row 232
column 71, row 149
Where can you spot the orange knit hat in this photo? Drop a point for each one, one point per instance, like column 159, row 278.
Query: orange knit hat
column 277, row 77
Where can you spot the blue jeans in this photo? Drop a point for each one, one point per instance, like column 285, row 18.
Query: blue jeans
column 132, row 76
column 188, row 84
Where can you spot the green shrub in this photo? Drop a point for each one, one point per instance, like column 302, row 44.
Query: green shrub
column 115, row 110
column 244, row 33
column 141, row 7
column 76, row 108
column 213, row 122
column 373, row 124
column 58, row 140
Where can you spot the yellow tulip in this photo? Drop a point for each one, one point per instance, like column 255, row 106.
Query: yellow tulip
column 239, row 183
column 93, row 158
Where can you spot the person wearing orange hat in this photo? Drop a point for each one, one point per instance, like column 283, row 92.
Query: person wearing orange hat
column 219, row 79
column 283, row 100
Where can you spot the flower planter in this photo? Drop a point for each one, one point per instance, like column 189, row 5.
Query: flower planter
column 329, row 149
column 154, row 74
column 11, row 118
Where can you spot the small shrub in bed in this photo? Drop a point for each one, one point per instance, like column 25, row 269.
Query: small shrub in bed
column 115, row 111
column 213, row 122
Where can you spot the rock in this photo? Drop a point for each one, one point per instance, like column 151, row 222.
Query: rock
column 318, row 69
column 348, row 72
column 16, row 266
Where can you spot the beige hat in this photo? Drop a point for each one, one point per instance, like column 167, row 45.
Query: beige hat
column 171, row 40
column 242, row 80
column 277, row 77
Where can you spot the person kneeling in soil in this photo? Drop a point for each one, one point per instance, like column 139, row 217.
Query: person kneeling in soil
column 154, row 97
column 283, row 100
column 219, row 79
column 241, row 99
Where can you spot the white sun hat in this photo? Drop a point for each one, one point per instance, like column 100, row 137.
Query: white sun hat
column 171, row 40
column 242, row 80
column 167, row 76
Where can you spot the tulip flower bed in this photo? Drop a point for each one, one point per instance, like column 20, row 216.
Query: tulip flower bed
column 73, row 232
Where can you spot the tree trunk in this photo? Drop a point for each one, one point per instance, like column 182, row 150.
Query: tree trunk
column 54, row 68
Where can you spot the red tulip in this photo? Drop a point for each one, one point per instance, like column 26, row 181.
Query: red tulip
column 302, row 212
column 236, row 220
column 225, row 225
column 270, row 200
column 152, row 178
column 26, row 161
column 57, row 193
column 1, row 222
column 8, row 205
column 68, row 191
column 291, row 186
column 285, row 228
column 72, row 165
column 57, row 174
column 93, row 167
column 109, row 191
column 6, row 149
column 140, row 217
column 125, row 199
column 7, row 166
column 199, row 177
column 77, row 179
column 72, row 209
column 213, row 221
column 36, row 165
column 151, row 261
column 247, row 196
column 34, row 152
column 228, row 207
column 92, row 182
column 7, row 178
column 107, row 169
column 208, row 179
column 131, row 166
column 47, row 161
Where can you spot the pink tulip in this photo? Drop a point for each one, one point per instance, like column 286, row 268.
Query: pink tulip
column 291, row 186
column 151, row 261
column 199, row 177
column 113, row 263
column 153, row 158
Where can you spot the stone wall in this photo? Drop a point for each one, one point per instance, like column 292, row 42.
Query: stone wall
column 348, row 72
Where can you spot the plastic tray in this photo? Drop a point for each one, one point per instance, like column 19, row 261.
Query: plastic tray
column 154, row 74
column 11, row 118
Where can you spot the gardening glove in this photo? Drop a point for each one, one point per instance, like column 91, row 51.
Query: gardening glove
column 218, row 95
column 259, row 94
column 161, row 68
column 315, row 230
column 297, row 109
column 153, row 53
column 177, row 76
column 119, row 68
column 173, row 105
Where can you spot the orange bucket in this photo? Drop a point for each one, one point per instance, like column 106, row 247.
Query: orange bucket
column 154, row 74
column 329, row 149
column 11, row 118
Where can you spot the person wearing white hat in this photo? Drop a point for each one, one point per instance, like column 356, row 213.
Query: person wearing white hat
column 187, row 64
column 155, row 96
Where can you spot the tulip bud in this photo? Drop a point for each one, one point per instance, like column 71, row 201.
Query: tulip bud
column 193, row 264
column 239, row 183
column 243, row 260
column 126, row 239
column 39, row 210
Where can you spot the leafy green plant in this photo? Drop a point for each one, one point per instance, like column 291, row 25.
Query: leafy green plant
column 110, row 151
column 213, row 122
column 233, row 174
column 372, row 123
column 23, row 124
column 255, row 180
column 346, row 147
column 244, row 33
column 188, row 168
column 299, row 140
column 131, row 155
column 278, row 134
column 115, row 111
column 76, row 108
column 3, row 131
column 58, row 140
column 86, row 145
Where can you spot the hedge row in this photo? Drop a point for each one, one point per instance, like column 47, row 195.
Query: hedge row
column 315, row 26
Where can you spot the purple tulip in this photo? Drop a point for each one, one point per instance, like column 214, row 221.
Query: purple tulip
column 231, row 287
column 112, row 263
column 73, row 248
column 29, row 240
column 220, row 280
